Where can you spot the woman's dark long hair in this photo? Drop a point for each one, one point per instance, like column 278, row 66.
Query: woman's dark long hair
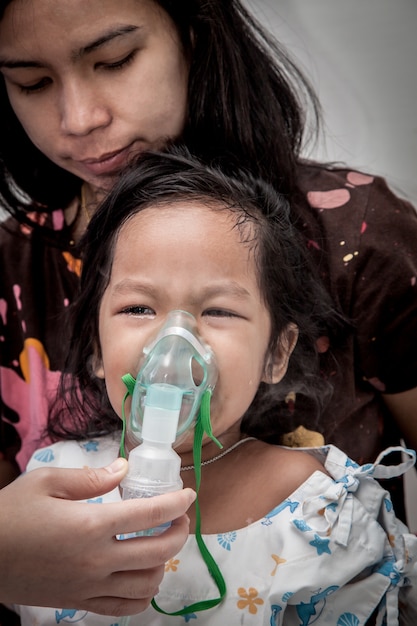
column 246, row 100
column 287, row 282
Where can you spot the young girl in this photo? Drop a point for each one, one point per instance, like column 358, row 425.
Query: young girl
column 300, row 537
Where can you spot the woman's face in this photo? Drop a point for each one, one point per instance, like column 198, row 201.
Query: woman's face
column 94, row 81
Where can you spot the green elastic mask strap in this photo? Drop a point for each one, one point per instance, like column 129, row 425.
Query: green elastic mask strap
column 203, row 426
column 129, row 381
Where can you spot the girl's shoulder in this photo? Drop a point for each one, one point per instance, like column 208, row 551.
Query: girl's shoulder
column 271, row 474
column 293, row 466
column 249, row 483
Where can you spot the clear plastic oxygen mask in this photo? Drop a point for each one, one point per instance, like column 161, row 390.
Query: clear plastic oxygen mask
column 170, row 400
column 177, row 369
column 176, row 357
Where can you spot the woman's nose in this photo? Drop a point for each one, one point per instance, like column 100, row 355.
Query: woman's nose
column 83, row 110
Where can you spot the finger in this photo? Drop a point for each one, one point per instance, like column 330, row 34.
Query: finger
column 128, row 592
column 143, row 513
column 115, row 607
column 80, row 484
column 147, row 552
column 134, row 585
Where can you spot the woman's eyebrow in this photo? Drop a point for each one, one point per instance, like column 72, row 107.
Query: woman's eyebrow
column 109, row 35
column 105, row 38
column 16, row 63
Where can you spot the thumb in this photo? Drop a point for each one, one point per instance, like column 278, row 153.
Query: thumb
column 88, row 482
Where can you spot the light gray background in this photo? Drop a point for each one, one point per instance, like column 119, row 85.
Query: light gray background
column 361, row 57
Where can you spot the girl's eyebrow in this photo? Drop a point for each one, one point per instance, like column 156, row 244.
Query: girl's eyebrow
column 102, row 40
column 229, row 288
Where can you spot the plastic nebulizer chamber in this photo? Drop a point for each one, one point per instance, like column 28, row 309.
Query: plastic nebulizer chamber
column 177, row 357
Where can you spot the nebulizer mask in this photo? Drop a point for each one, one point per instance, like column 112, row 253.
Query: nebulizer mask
column 170, row 401
column 176, row 369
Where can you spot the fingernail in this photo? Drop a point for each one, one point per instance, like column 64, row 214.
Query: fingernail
column 117, row 466
column 192, row 494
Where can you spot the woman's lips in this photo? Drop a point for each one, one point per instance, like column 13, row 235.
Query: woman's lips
column 108, row 164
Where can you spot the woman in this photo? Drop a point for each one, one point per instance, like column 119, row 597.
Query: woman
column 198, row 274
column 86, row 87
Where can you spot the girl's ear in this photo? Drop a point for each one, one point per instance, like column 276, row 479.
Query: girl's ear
column 96, row 364
column 277, row 363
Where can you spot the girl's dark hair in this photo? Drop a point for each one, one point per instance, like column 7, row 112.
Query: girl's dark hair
column 291, row 291
column 246, row 100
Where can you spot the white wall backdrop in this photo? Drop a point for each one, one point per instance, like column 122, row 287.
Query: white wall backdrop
column 361, row 57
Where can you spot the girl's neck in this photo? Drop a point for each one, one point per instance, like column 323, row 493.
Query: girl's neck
column 210, row 449
column 235, row 490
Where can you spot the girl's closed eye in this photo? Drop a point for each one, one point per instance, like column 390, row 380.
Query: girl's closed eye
column 220, row 313
column 137, row 310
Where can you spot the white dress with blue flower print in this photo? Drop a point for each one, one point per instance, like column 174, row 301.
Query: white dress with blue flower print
column 330, row 554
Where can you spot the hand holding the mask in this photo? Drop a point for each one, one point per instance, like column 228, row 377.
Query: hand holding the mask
column 47, row 535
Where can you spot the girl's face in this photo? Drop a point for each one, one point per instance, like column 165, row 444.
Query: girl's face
column 188, row 257
column 94, row 81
